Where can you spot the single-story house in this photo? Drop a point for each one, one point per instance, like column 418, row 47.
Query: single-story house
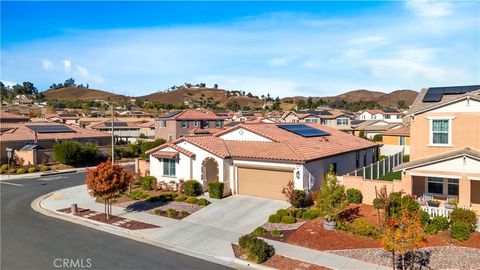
column 259, row 159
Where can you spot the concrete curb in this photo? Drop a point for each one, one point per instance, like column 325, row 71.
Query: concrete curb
column 37, row 205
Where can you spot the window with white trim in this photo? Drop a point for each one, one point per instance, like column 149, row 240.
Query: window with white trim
column 218, row 124
column 342, row 121
column 452, row 187
column 195, row 123
column 435, row 185
column 402, row 140
column 184, row 124
column 440, row 131
column 311, row 120
column 168, row 167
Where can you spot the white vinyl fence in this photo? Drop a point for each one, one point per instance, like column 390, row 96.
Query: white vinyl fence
column 379, row 168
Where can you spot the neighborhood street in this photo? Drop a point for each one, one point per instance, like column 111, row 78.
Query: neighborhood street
column 31, row 240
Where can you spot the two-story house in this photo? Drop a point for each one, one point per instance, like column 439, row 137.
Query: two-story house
column 177, row 124
column 390, row 116
column 333, row 118
column 445, row 146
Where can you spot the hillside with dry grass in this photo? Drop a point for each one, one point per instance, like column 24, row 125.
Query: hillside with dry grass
column 84, row 94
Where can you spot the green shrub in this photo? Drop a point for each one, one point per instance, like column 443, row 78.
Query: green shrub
column 406, row 158
column 165, row 197
column 215, row 190
column 354, row 196
column 299, row 198
column 192, row 188
column 2, row 170
column 440, row 222
column 394, row 209
column 180, row 198
column 288, row 220
column 138, row 195
column 202, row 202
column 20, row 171
column 424, row 217
column 147, row 145
column 67, row 152
column 363, row 227
column 148, row 182
column 282, row 212
column 311, row 214
column 299, row 214
column 259, row 231
column 191, row 200
column 465, row 215
column 89, row 152
column 276, row 233
column 32, row 169
column 4, row 167
column 259, row 251
column 157, row 212
column 378, row 203
column 245, row 241
column 274, row 218
column 377, row 138
column 182, row 214
column 431, row 229
column 382, row 157
column 12, row 170
column 171, row 213
column 331, row 198
column 460, row 230
column 44, row 168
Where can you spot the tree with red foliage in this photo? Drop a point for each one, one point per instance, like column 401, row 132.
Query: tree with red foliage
column 107, row 181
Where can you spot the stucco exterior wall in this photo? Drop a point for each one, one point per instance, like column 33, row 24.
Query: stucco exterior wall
column 368, row 187
column 242, row 134
column 465, row 130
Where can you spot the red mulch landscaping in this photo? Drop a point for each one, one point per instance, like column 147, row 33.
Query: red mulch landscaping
column 119, row 221
column 283, row 263
column 312, row 235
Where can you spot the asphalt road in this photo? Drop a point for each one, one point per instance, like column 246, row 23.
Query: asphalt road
column 30, row 240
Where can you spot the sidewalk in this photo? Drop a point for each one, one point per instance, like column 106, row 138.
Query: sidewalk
column 184, row 236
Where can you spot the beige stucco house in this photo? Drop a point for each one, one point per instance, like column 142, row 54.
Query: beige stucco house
column 259, row 159
column 445, row 146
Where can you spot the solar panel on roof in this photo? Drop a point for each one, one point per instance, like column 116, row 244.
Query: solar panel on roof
column 435, row 94
column 170, row 114
column 50, row 129
column 325, row 113
column 116, row 124
column 304, row 130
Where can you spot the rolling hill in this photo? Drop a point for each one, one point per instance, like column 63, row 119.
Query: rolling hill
column 222, row 97
column 73, row 93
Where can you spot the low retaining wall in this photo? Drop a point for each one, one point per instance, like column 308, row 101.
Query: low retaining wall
column 367, row 187
column 142, row 167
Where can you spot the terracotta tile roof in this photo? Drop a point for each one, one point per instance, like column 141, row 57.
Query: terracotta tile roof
column 11, row 117
column 193, row 115
column 403, row 131
column 165, row 154
column 381, row 112
column 206, row 130
column 373, row 125
column 467, row 151
column 286, row 146
column 129, row 124
column 173, row 146
column 23, row 133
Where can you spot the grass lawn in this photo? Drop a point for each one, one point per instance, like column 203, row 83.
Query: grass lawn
column 392, row 176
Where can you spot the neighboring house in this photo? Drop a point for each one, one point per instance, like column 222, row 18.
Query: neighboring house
column 128, row 130
column 371, row 128
column 44, row 136
column 390, row 116
column 69, row 118
column 9, row 120
column 333, row 118
column 396, row 140
column 260, row 159
column 445, row 145
column 177, row 124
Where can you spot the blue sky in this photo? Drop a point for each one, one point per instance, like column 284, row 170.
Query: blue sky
column 281, row 48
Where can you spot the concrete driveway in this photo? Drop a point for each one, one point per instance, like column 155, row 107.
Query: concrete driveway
column 238, row 213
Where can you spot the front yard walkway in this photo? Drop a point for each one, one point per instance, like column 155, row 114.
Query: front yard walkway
column 209, row 231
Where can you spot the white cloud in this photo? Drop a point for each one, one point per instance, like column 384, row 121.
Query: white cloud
column 9, row 84
column 86, row 75
column 280, row 61
column 67, row 65
column 47, row 65
column 429, row 8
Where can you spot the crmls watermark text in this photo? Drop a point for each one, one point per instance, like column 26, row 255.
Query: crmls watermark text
column 72, row 263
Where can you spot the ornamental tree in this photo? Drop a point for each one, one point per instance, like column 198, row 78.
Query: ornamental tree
column 107, row 181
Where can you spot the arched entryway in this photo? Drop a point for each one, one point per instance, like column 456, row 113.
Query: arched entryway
column 210, row 172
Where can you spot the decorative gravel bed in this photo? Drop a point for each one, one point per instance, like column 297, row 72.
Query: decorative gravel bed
column 179, row 206
column 430, row 258
column 282, row 226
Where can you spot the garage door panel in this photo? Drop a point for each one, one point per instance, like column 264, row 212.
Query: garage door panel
column 263, row 183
